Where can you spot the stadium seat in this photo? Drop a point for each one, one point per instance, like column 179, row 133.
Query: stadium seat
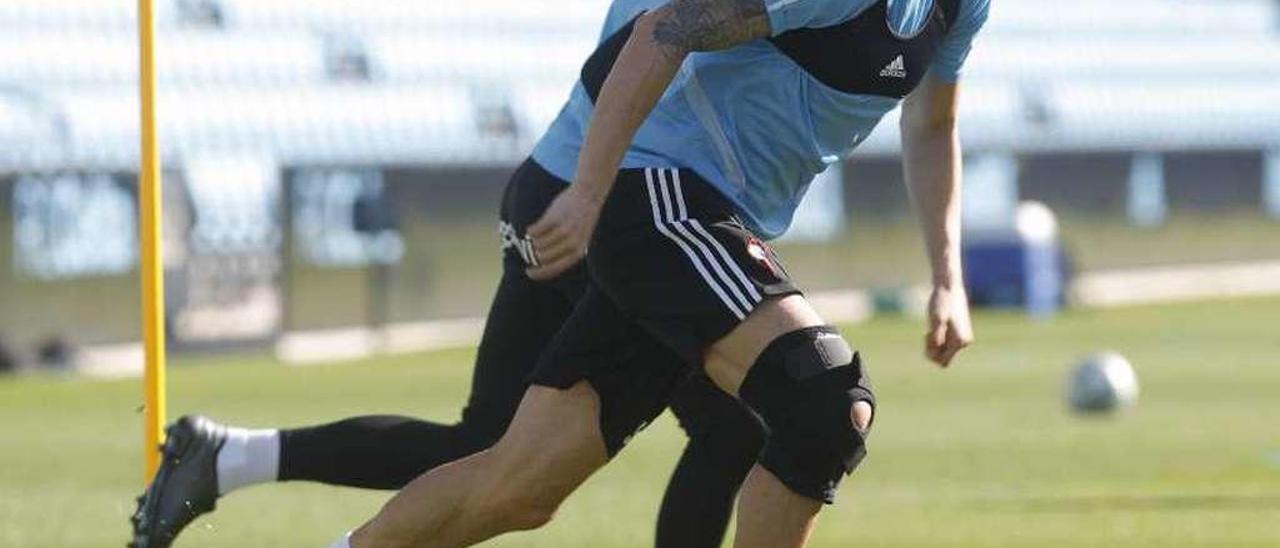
column 1086, row 57
column 1162, row 116
column 474, row 81
column 67, row 15
column 300, row 124
column 192, row 57
column 24, row 127
column 413, row 58
column 495, row 17
column 1170, row 18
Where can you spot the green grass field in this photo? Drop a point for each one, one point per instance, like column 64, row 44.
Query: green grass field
column 982, row 455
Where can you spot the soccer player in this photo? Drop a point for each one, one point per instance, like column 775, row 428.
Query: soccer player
column 696, row 127
column 204, row 460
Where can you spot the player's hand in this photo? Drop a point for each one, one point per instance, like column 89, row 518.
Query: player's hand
column 949, row 327
column 561, row 236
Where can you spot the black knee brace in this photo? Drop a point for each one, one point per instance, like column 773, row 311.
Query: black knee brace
column 804, row 386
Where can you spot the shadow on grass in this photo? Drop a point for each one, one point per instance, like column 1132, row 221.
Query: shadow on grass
column 1154, row 502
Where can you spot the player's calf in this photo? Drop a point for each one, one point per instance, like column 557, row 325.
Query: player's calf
column 810, row 388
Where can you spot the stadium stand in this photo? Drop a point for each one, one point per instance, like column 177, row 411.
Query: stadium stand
column 62, row 15
column 1173, row 19
column 472, row 82
column 195, row 57
column 353, row 94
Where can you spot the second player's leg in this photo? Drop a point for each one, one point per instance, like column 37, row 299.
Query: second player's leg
column 387, row 452
column 725, row 439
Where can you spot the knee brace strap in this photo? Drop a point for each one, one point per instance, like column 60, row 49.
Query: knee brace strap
column 813, row 357
column 804, row 386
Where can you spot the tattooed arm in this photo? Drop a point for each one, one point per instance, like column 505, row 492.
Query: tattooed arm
column 648, row 62
column 707, row 25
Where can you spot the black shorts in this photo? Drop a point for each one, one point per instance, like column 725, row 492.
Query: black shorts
column 527, row 314
column 670, row 266
column 526, row 197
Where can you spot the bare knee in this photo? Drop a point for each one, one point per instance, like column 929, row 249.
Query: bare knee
column 729, row 359
column 810, row 388
column 524, row 511
column 860, row 414
column 517, row 501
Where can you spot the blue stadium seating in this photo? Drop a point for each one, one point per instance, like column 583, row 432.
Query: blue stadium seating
column 473, row 82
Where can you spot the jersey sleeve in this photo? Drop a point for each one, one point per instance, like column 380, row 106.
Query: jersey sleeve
column 785, row 15
column 955, row 47
column 621, row 13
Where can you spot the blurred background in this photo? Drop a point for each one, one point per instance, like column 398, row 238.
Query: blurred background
column 332, row 172
column 332, row 164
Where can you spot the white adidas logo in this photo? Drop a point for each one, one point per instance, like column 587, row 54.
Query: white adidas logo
column 896, row 68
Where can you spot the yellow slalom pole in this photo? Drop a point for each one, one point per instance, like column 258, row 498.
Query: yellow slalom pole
column 152, row 266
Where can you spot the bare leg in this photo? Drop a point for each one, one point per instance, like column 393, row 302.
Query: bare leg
column 772, row 516
column 551, row 447
column 769, row 514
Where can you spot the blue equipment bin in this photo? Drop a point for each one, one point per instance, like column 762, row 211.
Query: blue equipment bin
column 1015, row 273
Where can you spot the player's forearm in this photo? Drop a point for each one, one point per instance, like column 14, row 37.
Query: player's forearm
column 648, row 62
column 637, row 81
column 931, row 164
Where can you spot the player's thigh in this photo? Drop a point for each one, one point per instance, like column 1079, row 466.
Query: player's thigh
column 632, row 372
column 553, row 444
column 729, row 359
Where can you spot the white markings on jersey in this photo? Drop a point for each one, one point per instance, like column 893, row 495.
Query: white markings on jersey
column 896, row 68
column 780, row 4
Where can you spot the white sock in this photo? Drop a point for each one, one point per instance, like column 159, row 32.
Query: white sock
column 249, row 457
column 344, row 542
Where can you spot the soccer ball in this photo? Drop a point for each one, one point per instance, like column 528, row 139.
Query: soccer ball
column 1102, row 382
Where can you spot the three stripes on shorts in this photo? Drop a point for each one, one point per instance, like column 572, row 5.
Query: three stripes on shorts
column 712, row 261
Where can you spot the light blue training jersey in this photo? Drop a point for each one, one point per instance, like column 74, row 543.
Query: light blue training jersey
column 749, row 119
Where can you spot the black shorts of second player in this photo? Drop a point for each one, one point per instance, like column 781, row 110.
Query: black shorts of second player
column 527, row 196
column 670, row 266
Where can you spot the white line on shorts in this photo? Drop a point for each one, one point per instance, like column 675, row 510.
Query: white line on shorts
column 693, row 257
column 665, row 184
column 724, row 254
